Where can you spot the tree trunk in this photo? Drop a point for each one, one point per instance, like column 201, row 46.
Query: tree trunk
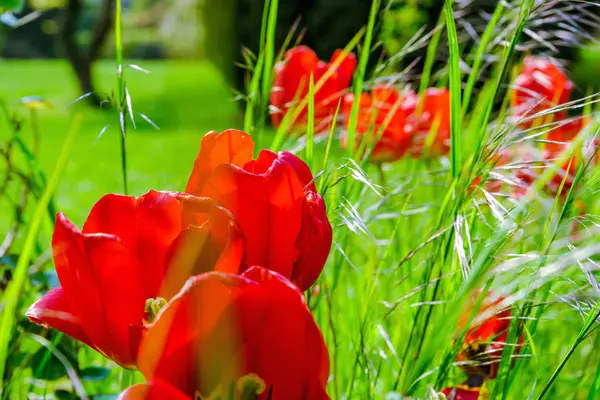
column 220, row 36
column 82, row 60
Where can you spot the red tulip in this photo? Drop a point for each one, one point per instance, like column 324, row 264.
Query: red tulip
column 274, row 200
column 433, row 123
column 540, row 86
column 383, row 114
column 132, row 252
column 464, row 392
column 558, row 141
column 485, row 341
column 250, row 335
column 292, row 77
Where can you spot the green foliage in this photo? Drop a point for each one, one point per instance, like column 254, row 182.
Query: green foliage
column 11, row 5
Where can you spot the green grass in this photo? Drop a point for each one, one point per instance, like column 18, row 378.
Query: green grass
column 185, row 99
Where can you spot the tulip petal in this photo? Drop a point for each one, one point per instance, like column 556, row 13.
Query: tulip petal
column 268, row 209
column 229, row 147
column 246, row 196
column 159, row 223
column 53, row 311
column 148, row 224
column 200, row 249
column 117, row 272
column 153, row 391
column 302, row 170
column 347, row 65
column 313, row 243
column 172, row 347
column 116, row 215
column 78, row 281
column 272, row 315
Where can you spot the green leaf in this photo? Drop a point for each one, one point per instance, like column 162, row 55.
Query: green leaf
column 94, row 373
column 11, row 5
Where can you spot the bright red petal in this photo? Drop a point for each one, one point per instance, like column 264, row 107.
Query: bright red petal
column 118, row 275
column 313, row 243
column 153, row 391
column 146, row 224
column 301, row 168
column 282, row 343
column 347, row 65
column 159, row 223
column 78, row 281
column 172, row 347
column 229, row 147
column 217, row 245
column 53, row 311
column 246, row 196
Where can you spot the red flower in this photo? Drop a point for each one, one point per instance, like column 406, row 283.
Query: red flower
column 433, row 123
column 464, row 392
column 250, row 334
column 274, row 200
column 540, row 86
column 124, row 257
column 292, row 77
column 383, row 114
column 558, row 140
column 485, row 341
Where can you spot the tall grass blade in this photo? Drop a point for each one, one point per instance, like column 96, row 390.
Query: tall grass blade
column 121, row 102
column 310, row 128
column 360, row 78
column 455, row 91
column 11, row 296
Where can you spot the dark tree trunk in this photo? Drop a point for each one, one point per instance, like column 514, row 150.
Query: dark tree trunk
column 82, row 60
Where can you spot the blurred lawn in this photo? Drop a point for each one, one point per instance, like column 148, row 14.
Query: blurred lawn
column 186, row 100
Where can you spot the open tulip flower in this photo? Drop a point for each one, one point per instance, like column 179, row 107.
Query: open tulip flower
column 432, row 123
column 224, row 336
column 274, row 200
column 291, row 87
column 383, row 114
column 132, row 255
column 540, row 86
column 485, row 341
column 463, row 392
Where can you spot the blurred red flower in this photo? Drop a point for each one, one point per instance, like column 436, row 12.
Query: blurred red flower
column 464, row 392
column 292, row 77
column 485, row 341
column 132, row 252
column 249, row 335
column 557, row 141
column 432, row 123
column 540, row 86
column 382, row 114
column 274, row 200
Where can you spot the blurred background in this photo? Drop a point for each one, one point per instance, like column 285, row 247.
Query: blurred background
column 189, row 61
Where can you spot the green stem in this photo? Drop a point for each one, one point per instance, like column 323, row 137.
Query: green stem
column 121, row 104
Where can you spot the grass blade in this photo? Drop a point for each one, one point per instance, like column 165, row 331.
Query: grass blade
column 360, row 78
column 310, row 128
column 455, row 89
column 11, row 296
